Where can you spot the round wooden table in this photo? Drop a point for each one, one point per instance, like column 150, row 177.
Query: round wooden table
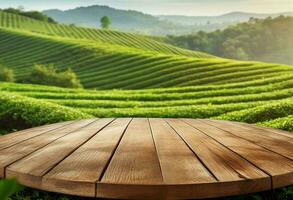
column 144, row 158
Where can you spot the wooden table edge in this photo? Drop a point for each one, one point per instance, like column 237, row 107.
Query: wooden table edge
column 182, row 191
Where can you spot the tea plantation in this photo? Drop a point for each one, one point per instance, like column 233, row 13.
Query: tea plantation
column 268, row 101
column 129, row 75
column 106, row 59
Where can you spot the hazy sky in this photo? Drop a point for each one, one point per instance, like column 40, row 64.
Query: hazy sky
column 179, row 7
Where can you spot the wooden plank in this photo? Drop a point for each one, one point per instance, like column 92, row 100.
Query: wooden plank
column 178, row 163
column 279, row 167
column 224, row 164
column 19, row 136
column 134, row 162
column 79, row 172
column 149, row 158
column 268, row 129
column 14, row 153
column 221, row 161
column 274, row 142
column 30, row 169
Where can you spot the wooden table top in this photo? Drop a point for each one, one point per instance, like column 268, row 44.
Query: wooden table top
column 144, row 158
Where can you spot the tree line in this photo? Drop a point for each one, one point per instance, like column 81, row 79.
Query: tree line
column 31, row 14
column 244, row 41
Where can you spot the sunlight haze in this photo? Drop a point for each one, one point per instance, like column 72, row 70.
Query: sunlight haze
column 170, row 7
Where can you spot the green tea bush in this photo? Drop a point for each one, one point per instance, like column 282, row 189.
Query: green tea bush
column 6, row 74
column 261, row 113
column 49, row 76
column 20, row 112
column 284, row 123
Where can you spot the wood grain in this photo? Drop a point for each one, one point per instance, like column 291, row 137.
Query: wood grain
column 267, row 129
column 14, row 153
column 33, row 167
column 149, row 158
column 83, row 168
column 135, row 160
column 274, row 142
column 135, row 163
column 271, row 163
column 14, row 138
column 222, row 162
column 178, row 163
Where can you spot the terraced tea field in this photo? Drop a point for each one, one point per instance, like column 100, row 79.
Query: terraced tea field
column 190, row 84
column 268, row 101
column 110, row 59
column 134, row 41
column 168, row 81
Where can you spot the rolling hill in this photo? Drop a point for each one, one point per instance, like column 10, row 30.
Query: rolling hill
column 169, row 81
column 17, row 22
column 225, row 19
column 190, row 84
column 123, row 20
column 138, row 22
column 106, row 59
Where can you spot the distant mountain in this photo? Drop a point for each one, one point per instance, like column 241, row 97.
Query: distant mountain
column 138, row 22
column 125, row 20
column 229, row 18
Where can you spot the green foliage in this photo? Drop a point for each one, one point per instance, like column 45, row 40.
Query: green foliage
column 8, row 188
column 261, row 113
column 48, row 76
column 285, row 123
column 32, row 194
column 105, row 22
column 285, row 193
column 263, row 100
column 20, row 112
column 31, row 14
column 6, row 74
column 253, row 40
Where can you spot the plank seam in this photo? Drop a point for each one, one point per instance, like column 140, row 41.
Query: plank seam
column 74, row 149
column 271, row 177
column 272, row 183
column 47, row 131
column 43, row 147
column 250, row 141
column 199, row 159
column 264, row 171
column 240, row 175
column 265, row 129
column 154, row 142
column 113, row 153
